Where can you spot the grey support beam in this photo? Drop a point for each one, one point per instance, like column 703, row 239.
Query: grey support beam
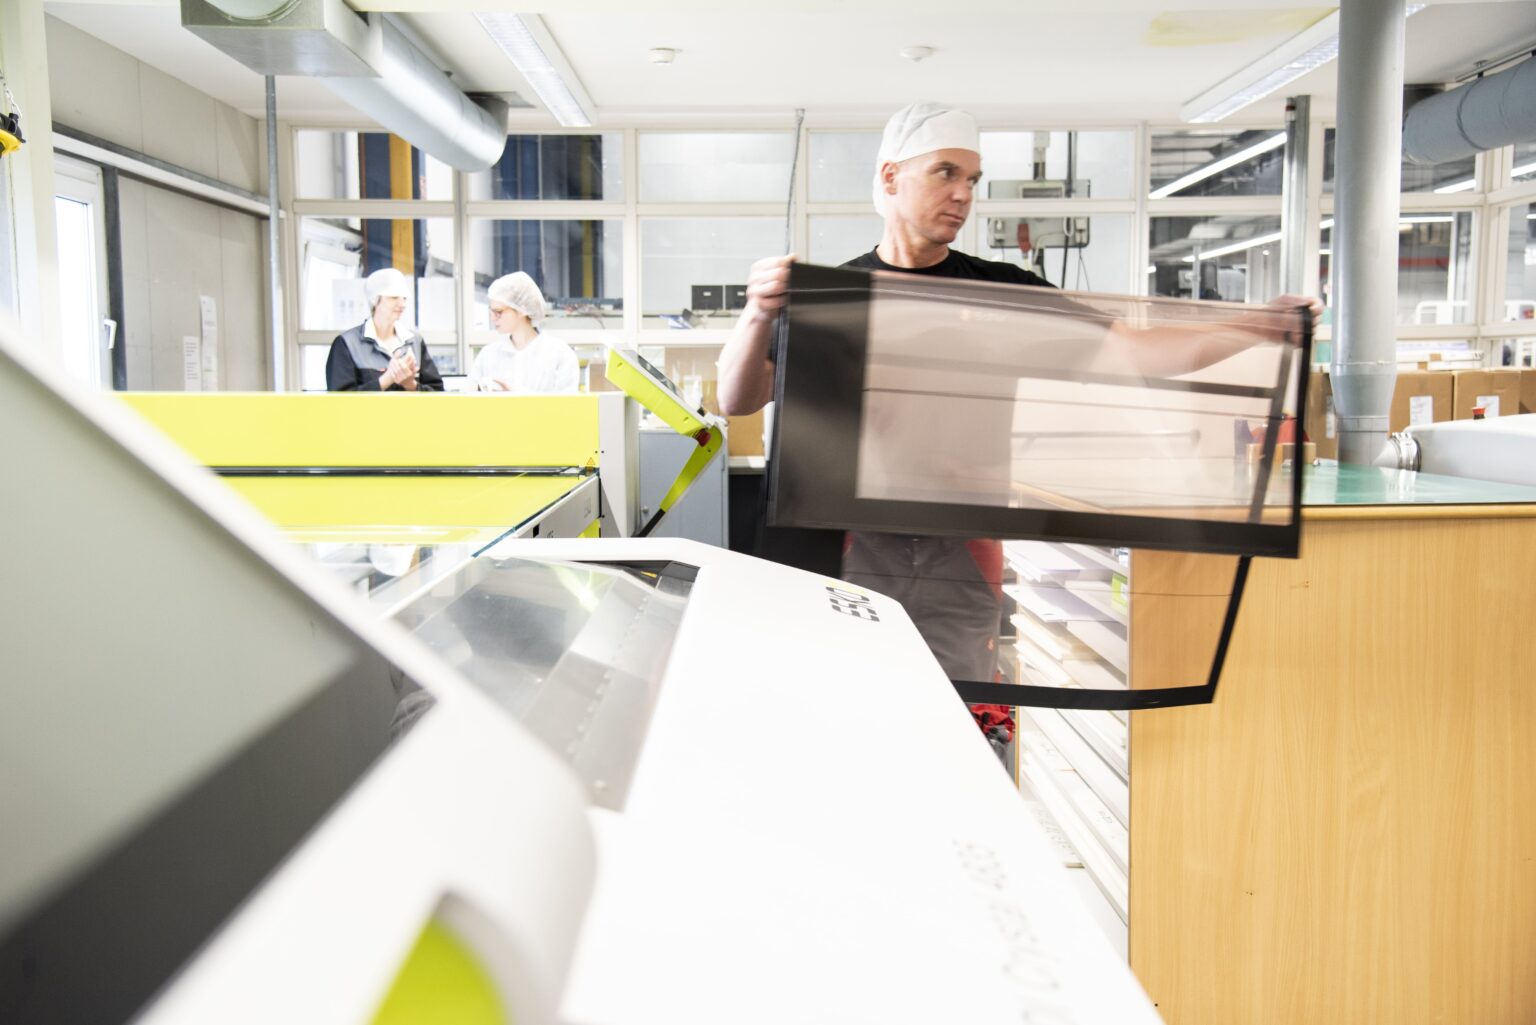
column 1367, row 181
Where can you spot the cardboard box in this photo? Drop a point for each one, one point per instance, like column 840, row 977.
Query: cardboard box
column 1497, row 390
column 1421, row 397
column 1528, row 391
column 1320, row 426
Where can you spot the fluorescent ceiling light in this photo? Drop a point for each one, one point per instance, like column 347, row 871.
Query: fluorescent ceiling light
column 532, row 50
column 1516, row 172
column 1306, row 51
column 1463, row 186
column 1217, row 166
column 1264, row 240
column 1235, row 247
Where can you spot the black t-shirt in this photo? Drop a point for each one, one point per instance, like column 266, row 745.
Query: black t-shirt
column 957, row 265
column 964, row 266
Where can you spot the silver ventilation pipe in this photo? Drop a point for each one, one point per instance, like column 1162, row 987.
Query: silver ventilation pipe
column 1370, row 110
column 363, row 59
column 255, row 10
column 416, row 101
column 1494, row 110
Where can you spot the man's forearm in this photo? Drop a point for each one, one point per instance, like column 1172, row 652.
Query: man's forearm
column 746, row 373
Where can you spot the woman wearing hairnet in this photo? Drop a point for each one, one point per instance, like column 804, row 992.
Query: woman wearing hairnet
column 527, row 361
column 382, row 353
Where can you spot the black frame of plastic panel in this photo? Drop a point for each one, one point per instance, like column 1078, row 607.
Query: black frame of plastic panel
column 821, row 351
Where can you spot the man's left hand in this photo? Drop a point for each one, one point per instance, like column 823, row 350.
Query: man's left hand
column 1313, row 304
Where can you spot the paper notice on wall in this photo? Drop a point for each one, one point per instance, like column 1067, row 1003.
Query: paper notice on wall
column 191, row 363
column 1490, row 404
column 1421, row 410
column 208, row 308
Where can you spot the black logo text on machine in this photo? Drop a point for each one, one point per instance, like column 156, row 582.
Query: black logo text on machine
column 851, row 603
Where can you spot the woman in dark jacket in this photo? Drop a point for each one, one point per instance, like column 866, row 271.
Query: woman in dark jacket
column 381, row 353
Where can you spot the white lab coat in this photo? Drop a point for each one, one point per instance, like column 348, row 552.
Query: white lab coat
column 547, row 366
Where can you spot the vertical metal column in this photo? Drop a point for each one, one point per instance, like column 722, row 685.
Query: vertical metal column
column 1368, row 160
column 274, row 246
column 1293, row 216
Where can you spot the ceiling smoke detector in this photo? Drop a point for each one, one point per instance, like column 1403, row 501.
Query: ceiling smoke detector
column 663, row 55
column 916, row 53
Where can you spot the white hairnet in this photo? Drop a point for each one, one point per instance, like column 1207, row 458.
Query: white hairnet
column 519, row 291
column 922, row 128
column 386, row 281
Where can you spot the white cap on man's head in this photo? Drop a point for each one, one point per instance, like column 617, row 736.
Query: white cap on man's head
column 386, row 281
column 520, row 292
column 922, row 128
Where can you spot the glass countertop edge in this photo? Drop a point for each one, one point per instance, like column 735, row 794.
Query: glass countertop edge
column 1329, row 484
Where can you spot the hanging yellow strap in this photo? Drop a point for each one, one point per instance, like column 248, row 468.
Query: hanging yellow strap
column 652, row 389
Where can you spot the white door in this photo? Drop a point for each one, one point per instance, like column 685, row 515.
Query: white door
column 87, row 333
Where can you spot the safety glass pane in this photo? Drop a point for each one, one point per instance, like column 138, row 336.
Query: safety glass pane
column 1520, row 276
column 838, row 238
column 1234, row 257
column 1434, row 268
column 365, row 165
column 937, row 406
column 1053, row 165
column 693, row 270
column 555, row 168
column 1523, row 168
column 338, row 253
column 1217, row 162
column 1450, row 177
column 1078, row 252
column 578, row 265
column 716, row 167
column 842, row 166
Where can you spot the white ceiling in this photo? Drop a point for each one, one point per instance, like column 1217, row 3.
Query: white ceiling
column 1078, row 61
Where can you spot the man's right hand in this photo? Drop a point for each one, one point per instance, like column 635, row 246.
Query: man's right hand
column 767, row 285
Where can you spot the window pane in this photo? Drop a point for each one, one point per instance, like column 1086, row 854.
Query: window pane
column 312, row 367
column 1520, row 278
column 1523, row 168
column 579, row 266
column 715, row 167
column 1217, row 162
column 1236, row 258
column 446, row 357
column 337, row 253
column 842, row 168
column 836, row 239
column 365, row 165
column 1024, row 164
column 1455, row 176
column 699, row 266
column 1434, row 261
column 1085, row 254
column 555, row 167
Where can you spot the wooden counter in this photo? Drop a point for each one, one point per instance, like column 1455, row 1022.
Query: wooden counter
column 1349, row 833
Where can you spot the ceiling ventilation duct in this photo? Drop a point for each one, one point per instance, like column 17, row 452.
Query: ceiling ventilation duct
column 364, row 60
column 1494, row 110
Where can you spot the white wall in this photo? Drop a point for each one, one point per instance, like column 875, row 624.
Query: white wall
column 175, row 249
